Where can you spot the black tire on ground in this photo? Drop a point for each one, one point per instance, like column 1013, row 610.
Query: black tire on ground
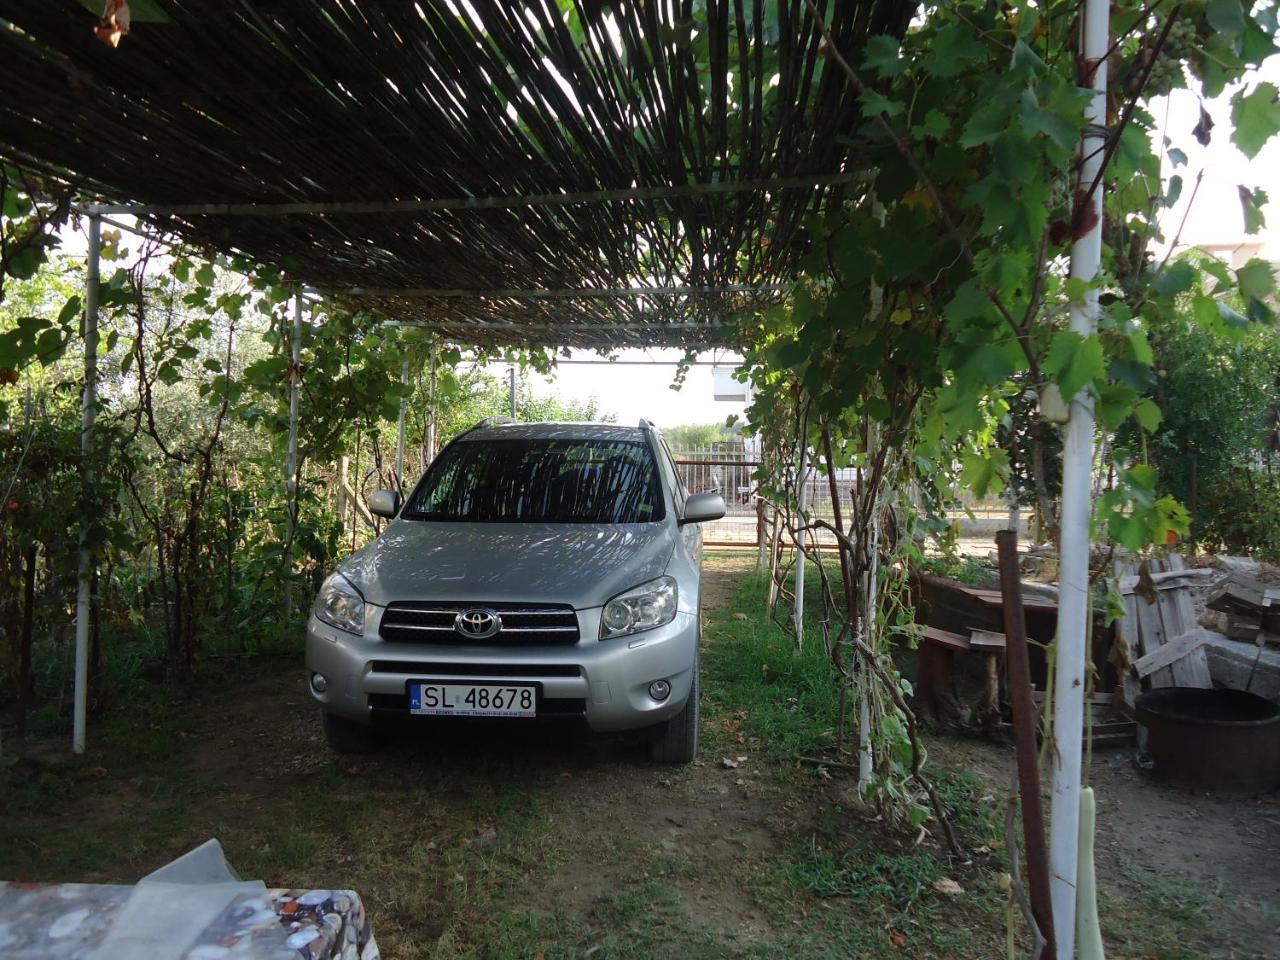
column 677, row 740
column 347, row 736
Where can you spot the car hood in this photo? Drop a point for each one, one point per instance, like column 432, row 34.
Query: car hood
column 579, row 564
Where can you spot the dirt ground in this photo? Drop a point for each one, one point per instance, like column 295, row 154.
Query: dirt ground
column 1214, row 852
column 573, row 838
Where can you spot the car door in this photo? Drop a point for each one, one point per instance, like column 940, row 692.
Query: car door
column 690, row 533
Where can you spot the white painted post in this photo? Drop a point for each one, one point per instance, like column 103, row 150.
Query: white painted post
column 431, row 408
column 291, row 458
column 88, row 408
column 802, row 504
column 1077, row 469
column 404, row 406
column 869, row 627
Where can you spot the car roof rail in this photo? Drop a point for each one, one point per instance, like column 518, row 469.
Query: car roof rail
column 494, row 422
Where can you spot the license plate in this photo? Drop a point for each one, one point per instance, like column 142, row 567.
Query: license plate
column 472, row 699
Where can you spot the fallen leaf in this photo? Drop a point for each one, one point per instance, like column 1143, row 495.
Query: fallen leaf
column 947, row 886
column 898, row 939
column 728, row 764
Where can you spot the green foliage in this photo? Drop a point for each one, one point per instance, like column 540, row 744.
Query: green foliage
column 1240, row 513
column 933, row 308
column 1256, row 117
column 698, row 436
column 1216, row 386
column 197, row 539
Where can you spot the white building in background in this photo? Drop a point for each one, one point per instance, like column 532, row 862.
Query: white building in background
column 727, row 389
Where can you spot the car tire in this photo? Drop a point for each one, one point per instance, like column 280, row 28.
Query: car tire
column 677, row 740
column 347, row 736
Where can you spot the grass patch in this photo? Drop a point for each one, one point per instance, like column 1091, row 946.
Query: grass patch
column 1153, row 915
column 862, row 875
column 758, row 690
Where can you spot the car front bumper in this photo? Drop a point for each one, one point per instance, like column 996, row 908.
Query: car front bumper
column 604, row 682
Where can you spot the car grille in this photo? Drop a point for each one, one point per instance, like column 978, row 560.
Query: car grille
column 419, row 668
column 522, row 624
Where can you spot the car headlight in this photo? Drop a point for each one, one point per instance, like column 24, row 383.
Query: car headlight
column 644, row 607
column 339, row 603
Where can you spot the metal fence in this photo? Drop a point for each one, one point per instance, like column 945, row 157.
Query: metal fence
column 732, row 475
column 730, row 471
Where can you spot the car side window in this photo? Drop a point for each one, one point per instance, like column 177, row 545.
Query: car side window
column 669, row 469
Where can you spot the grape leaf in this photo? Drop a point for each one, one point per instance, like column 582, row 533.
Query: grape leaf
column 1073, row 361
column 1256, row 118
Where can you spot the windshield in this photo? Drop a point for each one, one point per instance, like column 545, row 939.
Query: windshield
column 540, row 481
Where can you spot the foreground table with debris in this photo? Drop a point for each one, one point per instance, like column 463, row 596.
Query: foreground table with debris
column 176, row 917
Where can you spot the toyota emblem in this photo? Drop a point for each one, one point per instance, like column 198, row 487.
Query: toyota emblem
column 477, row 623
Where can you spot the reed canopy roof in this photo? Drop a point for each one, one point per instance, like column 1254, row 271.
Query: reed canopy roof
column 502, row 172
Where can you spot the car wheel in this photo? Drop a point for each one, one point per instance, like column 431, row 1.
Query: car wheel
column 678, row 737
column 347, row 736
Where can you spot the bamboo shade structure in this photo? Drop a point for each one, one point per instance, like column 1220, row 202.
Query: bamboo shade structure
column 516, row 156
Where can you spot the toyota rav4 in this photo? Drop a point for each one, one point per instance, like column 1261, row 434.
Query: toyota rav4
column 537, row 572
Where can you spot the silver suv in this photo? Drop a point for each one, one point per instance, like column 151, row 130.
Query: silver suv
column 543, row 571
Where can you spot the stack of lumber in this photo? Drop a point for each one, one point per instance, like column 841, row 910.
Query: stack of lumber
column 1252, row 608
column 1158, row 642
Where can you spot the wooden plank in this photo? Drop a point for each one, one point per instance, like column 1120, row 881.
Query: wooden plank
column 1151, row 637
column 1243, row 628
column 944, row 638
column 1169, row 579
column 1244, row 596
column 1178, row 615
column 1171, row 652
column 1097, row 698
column 993, row 598
column 986, row 641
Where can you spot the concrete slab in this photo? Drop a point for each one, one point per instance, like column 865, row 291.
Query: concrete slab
column 1232, row 662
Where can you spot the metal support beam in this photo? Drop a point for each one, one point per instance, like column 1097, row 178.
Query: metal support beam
column 512, row 378
column 431, row 404
column 802, row 504
column 291, row 457
column 1077, row 471
column 654, row 327
column 88, row 408
column 565, row 199
column 545, row 293
column 404, row 405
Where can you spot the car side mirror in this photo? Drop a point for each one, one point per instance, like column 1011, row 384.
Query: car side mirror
column 702, row 507
column 384, row 503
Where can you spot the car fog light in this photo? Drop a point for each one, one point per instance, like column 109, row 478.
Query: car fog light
column 659, row 689
column 318, row 683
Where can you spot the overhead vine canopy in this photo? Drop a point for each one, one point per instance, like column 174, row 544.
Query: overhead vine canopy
column 511, row 172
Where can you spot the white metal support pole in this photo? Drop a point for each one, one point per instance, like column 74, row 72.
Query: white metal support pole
column 88, row 407
column 802, row 503
column 431, row 404
column 511, row 376
column 404, row 406
column 291, row 458
column 1077, row 469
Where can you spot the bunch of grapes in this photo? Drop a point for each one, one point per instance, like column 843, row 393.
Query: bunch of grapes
column 1181, row 45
